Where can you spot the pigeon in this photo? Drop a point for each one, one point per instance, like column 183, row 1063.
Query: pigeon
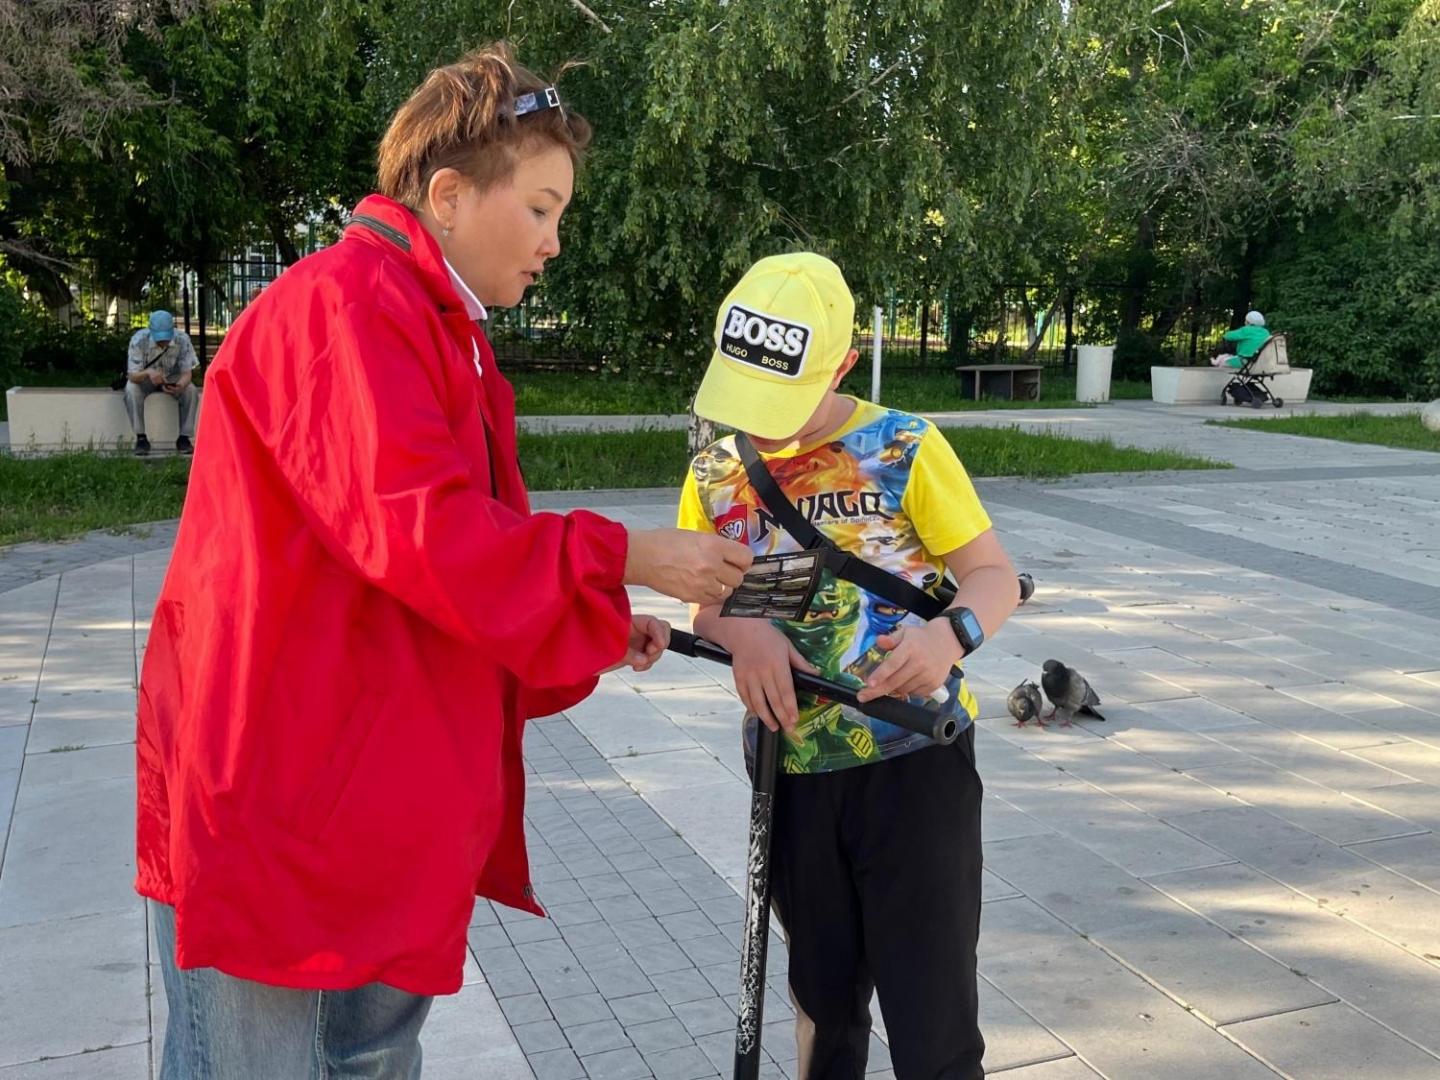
column 1027, row 587
column 1069, row 693
column 1025, row 703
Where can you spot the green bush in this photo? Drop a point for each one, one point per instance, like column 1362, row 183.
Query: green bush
column 1136, row 352
column 34, row 347
column 19, row 328
column 1359, row 306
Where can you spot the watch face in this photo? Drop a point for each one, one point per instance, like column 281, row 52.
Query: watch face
column 972, row 626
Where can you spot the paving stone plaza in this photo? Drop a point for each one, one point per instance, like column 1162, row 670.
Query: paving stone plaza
column 1235, row 876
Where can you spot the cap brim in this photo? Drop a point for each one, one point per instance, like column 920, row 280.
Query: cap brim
column 757, row 404
column 161, row 335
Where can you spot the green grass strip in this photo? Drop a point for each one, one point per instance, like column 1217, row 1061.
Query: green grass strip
column 57, row 497
column 1404, row 432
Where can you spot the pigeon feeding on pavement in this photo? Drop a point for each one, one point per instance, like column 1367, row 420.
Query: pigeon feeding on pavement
column 1069, row 693
column 1025, row 704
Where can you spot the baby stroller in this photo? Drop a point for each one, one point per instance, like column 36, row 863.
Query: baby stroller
column 1249, row 384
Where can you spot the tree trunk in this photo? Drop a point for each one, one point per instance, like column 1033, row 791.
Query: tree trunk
column 1138, row 280
column 1165, row 322
column 284, row 241
column 1034, row 346
column 924, row 329
column 1069, row 328
column 1244, row 279
column 961, row 319
column 1027, row 310
column 1002, row 335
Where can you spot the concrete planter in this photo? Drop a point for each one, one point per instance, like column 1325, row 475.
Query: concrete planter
column 1202, row 385
column 45, row 419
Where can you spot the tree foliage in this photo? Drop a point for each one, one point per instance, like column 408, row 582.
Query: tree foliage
column 1182, row 160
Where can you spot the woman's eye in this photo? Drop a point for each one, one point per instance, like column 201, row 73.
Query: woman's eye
column 541, row 214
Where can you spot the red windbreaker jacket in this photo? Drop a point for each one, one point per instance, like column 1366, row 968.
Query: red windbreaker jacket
column 359, row 615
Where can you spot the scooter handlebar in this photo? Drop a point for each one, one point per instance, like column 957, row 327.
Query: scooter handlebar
column 892, row 710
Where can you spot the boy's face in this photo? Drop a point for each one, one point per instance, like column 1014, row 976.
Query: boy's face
column 820, row 420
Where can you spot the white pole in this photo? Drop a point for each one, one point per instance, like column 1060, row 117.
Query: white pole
column 879, row 329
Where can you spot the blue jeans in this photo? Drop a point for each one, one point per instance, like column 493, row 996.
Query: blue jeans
column 224, row 1028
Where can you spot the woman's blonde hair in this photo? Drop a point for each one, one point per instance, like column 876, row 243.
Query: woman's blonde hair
column 463, row 117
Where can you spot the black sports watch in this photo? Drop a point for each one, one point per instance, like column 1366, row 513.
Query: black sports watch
column 968, row 630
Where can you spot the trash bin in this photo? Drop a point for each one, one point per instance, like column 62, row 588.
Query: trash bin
column 1092, row 372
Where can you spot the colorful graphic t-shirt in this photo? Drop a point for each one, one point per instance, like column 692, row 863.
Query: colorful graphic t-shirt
column 887, row 487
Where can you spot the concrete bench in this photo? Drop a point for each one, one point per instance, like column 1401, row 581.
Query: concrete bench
column 1202, row 385
column 47, row 419
column 1004, row 382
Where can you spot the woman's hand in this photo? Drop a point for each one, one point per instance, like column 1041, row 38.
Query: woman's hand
column 763, row 657
column 920, row 661
column 698, row 568
column 648, row 638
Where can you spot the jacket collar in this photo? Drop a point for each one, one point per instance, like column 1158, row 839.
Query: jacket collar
column 388, row 224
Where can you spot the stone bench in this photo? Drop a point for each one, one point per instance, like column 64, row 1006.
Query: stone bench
column 1202, row 385
column 1003, row 382
column 47, row 419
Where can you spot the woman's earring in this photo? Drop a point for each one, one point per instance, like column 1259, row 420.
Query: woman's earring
column 445, row 232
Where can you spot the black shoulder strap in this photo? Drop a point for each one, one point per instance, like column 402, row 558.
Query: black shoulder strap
column 841, row 563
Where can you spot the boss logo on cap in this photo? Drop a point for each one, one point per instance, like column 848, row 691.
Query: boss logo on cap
column 769, row 343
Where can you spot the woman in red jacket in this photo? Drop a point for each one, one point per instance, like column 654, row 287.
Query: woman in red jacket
column 361, row 612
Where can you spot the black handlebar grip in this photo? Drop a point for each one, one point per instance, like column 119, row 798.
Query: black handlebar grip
column 892, row 710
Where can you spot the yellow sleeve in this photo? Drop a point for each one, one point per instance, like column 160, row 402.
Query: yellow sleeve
column 692, row 514
column 940, row 500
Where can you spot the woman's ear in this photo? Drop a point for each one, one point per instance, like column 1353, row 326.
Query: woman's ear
column 442, row 197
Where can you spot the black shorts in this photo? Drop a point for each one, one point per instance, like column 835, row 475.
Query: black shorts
column 876, row 880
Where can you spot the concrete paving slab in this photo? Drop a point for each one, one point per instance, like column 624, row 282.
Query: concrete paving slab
column 1339, row 818
column 1415, row 802
column 466, row 1035
column 116, row 1063
column 695, row 701
column 1121, row 833
column 1334, row 1042
column 1073, row 884
column 1346, row 771
column 1013, row 1038
column 619, row 721
column 1416, row 857
column 1070, row 1068
column 71, row 851
column 1403, row 721
column 1113, row 1019
column 1171, row 746
column 1208, row 970
column 670, row 770
column 83, row 718
column 1382, row 980
column 17, row 694
column 73, row 985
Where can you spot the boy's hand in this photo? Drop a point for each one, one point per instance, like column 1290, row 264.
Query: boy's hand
column 763, row 659
column 920, row 661
column 648, row 638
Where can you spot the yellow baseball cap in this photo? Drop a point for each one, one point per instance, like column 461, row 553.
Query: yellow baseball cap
column 780, row 336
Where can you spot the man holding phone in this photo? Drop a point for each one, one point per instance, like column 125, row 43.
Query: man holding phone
column 161, row 358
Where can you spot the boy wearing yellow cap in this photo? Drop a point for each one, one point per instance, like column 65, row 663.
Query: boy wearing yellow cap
column 876, row 839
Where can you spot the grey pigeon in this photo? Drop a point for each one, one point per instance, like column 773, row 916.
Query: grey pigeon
column 1025, row 704
column 1069, row 693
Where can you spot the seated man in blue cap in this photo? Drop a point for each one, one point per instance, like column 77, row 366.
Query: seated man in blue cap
column 161, row 358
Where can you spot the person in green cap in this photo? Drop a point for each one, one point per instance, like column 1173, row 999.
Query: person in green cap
column 1242, row 343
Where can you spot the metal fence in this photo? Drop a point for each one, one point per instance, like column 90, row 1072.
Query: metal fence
column 1022, row 322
